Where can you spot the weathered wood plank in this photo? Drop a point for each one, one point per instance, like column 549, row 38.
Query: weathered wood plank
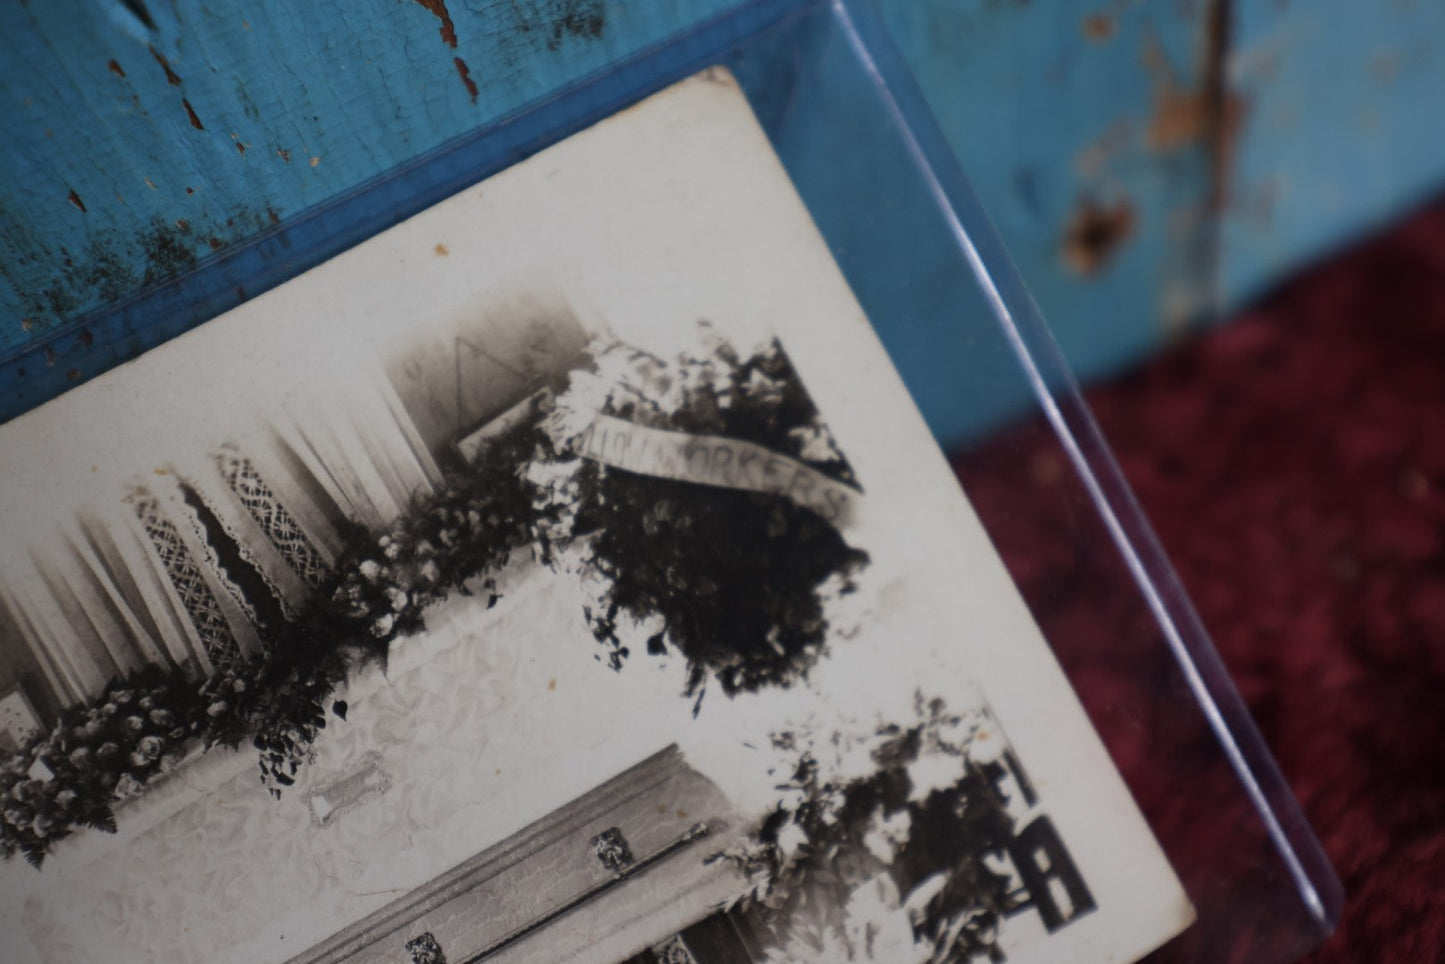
column 1338, row 133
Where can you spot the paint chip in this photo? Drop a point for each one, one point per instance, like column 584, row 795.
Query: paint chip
column 438, row 9
column 315, row 160
column 75, row 199
column 116, row 68
column 466, row 76
column 171, row 77
column 191, row 113
column 1099, row 27
column 1095, row 234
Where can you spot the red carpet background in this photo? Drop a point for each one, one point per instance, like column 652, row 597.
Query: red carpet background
column 1293, row 464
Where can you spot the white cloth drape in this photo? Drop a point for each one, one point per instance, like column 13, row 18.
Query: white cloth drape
column 365, row 454
column 98, row 593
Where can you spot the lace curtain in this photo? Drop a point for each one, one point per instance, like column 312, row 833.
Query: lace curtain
column 171, row 571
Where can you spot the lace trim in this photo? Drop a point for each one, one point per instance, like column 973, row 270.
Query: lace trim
column 213, row 560
column 200, row 603
column 240, row 475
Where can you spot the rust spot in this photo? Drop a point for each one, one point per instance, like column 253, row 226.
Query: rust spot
column 171, row 77
column 215, row 243
column 438, row 9
column 552, row 684
column 681, row 814
column 240, row 147
column 115, row 68
column 28, row 324
column 50, row 357
column 1098, row 27
column 315, row 161
column 189, row 190
column 191, row 113
column 284, row 155
column 1209, row 114
column 74, row 198
column 183, row 225
column 161, row 471
column 442, row 250
column 466, row 76
column 1095, row 234
column 1180, row 117
column 85, row 339
column 72, row 374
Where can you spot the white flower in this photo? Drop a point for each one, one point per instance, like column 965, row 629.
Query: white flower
column 816, row 443
column 383, row 625
column 127, row 786
column 886, row 835
column 398, row 598
column 369, row 570
column 790, row 838
column 933, row 771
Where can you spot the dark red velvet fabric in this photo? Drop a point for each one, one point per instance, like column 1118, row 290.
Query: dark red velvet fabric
column 1293, row 465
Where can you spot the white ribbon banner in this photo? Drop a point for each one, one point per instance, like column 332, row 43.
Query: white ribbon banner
column 715, row 460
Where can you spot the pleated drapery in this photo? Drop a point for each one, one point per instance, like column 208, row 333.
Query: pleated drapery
column 166, row 569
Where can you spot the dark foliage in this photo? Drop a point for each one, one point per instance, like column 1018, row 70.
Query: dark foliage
column 951, row 833
column 735, row 576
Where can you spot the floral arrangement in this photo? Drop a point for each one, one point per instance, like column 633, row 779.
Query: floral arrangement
column 735, row 581
column 879, row 847
column 95, row 756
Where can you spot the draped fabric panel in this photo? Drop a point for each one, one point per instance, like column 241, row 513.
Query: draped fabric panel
column 215, row 605
column 140, row 578
column 367, row 455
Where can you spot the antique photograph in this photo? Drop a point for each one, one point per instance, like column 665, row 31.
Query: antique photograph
column 564, row 574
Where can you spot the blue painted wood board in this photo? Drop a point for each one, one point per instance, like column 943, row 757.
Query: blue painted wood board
column 138, row 149
column 1338, row 132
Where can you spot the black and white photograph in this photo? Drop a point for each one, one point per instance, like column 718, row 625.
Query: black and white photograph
column 563, row 574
